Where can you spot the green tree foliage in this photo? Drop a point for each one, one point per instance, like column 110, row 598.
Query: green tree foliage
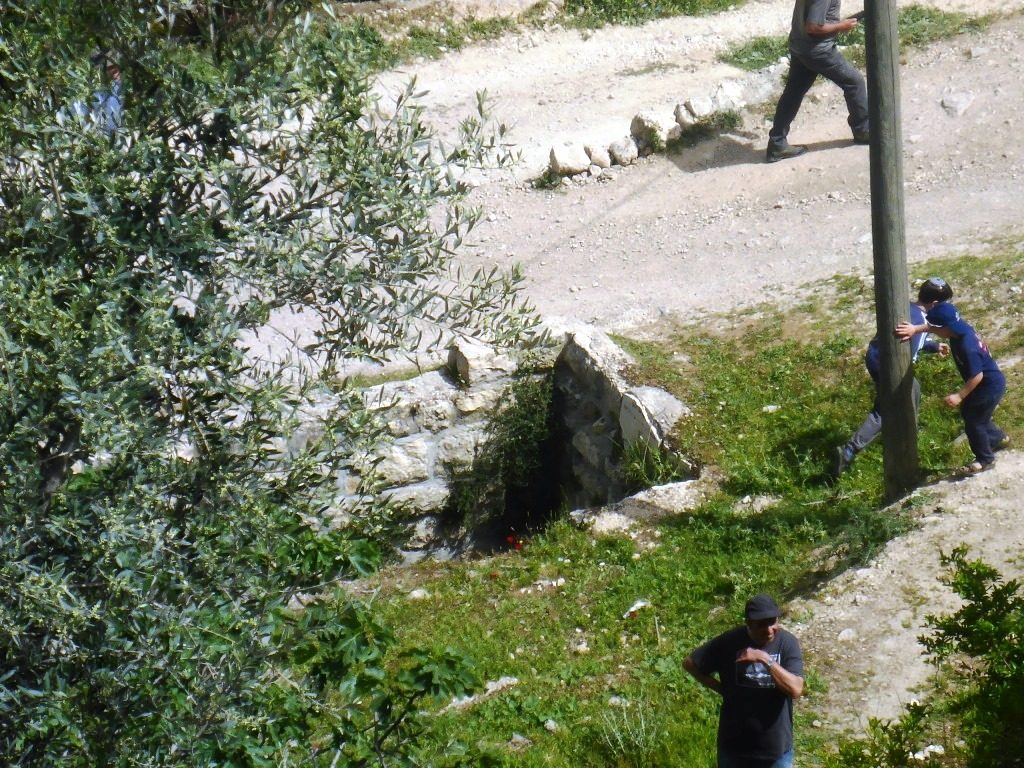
column 158, row 474
column 989, row 631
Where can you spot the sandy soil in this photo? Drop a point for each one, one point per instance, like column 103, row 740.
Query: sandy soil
column 716, row 228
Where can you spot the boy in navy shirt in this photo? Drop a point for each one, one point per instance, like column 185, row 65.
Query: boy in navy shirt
column 983, row 386
column 932, row 291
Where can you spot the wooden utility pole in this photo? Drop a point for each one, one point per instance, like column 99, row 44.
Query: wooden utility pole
column 888, row 230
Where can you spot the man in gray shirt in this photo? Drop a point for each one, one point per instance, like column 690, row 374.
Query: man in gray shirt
column 812, row 52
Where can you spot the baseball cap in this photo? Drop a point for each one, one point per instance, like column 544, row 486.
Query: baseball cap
column 945, row 315
column 934, row 289
column 761, row 607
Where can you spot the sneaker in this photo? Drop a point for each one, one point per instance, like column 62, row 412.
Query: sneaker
column 841, row 460
column 975, row 467
column 1003, row 444
column 862, row 138
column 773, row 154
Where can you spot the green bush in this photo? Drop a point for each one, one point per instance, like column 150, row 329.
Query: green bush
column 511, row 471
column 989, row 630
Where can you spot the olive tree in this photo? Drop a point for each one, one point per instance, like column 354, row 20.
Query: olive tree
column 156, row 514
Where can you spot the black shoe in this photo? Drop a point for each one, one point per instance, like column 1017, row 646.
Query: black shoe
column 774, row 154
column 862, row 138
column 841, row 461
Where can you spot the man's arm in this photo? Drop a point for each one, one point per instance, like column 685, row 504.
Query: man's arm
column 828, row 30
column 790, row 684
column 706, row 680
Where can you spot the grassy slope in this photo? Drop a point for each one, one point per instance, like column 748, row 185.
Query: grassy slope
column 705, row 562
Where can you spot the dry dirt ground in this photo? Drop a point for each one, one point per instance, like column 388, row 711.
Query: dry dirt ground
column 715, row 228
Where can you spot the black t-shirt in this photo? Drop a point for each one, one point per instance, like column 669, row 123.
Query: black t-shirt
column 756, row 719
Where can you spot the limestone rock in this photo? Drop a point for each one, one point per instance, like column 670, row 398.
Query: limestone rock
column 624, row 151
column 684, row 117
column 700, row 106
column 599, row 156
column 649, row 131
column 471, row 363
column 568, row 160
column 648, row 414
column 728, row 95
column 957, row 103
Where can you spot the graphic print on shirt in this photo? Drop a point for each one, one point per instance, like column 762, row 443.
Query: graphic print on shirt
column 755, row 674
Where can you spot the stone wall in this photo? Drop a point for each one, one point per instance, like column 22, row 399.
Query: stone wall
column 438, row 421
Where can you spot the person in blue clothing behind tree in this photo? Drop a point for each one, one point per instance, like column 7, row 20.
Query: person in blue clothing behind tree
column 813, row 51
column 983, row 387
column 932, row 291
column 758, row 671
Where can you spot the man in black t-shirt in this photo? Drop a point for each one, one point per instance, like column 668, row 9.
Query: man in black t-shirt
column 758, row 671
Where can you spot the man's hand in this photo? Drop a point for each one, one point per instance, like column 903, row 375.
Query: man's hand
column 754, row 654
column 953, row 400
column 943, row 350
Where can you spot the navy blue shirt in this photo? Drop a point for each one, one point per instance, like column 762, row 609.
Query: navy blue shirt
column 756, row 719
column 972, row 357
column 919, row 341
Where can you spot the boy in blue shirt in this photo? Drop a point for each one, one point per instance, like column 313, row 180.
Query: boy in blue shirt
column 984, row 384
column 932, row 291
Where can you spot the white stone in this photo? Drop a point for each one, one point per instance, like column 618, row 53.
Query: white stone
column 957, row 103
column 649, row 130
column 568, row 160
column 648, row 414
column 700, row 106
column 421, row 497
column 478, row 400
column 599, row 156
column 405, row 462
column 624, row 151
column 471, row 362
column 684, row 117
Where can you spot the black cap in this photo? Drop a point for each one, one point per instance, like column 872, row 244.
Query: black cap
column 934, row 289
column 761, row 607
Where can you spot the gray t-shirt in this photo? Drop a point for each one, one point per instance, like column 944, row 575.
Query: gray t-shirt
column 817, row 12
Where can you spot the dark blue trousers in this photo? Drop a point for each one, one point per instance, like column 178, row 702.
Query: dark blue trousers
column 982, row 433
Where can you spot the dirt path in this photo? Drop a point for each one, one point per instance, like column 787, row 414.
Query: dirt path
column 715, row 228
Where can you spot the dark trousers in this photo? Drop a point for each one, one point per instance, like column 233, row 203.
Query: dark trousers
column 803, row 70
column 981, row 431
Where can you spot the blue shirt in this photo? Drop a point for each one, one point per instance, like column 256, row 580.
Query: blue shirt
column 972, row 357
column 919, row 341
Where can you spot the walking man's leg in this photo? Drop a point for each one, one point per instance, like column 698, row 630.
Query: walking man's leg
column 798, row 82
column 834, row 66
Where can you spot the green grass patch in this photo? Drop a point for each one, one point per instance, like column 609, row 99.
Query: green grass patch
column 918, row 26
column 597, row 13
column 757, row 53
